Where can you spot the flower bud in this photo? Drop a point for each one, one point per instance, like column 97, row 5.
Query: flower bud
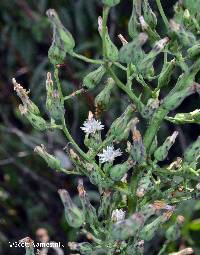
column 150, row 108
column 91, row 80
column 148, row 231
column 161, row 153
column 131, row 53
column 154, row 146
column 193, row 152
column 173, row 100
column 149, row 59
column 111, row 3
column 173, row 232
column 144, row 185
column 183, row 118
column 149, row 15
column 166, row 73
column 52, row 162
column 102, row 100
column 88, row 210
column 138, row 152
column 36, row 121
column 56, row 106
column 73, row 214
column 118, row 171
column 105, row 203
column 194, row 51
column 62, row 43
column 133, row 23
column 112, row 52
column 122, row 230
column 120, row 124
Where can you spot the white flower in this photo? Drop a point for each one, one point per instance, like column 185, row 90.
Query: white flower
column 109, row 154
column 118, row 215
column 90, row 126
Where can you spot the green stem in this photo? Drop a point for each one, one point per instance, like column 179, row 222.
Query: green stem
column 88, row 60
column 162, row 14
column 104, row 27
column 70, row 138
column 134, row 98
column 132, row 201
column 75, row 93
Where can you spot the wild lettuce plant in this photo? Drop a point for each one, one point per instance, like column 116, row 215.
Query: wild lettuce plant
column 139, row 190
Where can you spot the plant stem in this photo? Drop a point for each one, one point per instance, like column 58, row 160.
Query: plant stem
column 88, row 60
column 162, row 14
column 75, row 93
column 135, row 99
column 104, row 27
column 70, row 138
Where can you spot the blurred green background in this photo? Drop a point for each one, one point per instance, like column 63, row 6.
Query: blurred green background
column 28, row 188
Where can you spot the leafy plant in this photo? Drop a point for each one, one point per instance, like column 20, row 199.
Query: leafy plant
column 140, row 190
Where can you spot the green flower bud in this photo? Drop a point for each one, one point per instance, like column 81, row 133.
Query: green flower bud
column 148, row 231
column 111, row 2
column 112, row 52
column 172, row 101
column 183, row 118
column 96, row 177
column 102, row 100
column 88, row 210
column 161, row 153
column 194, row 51
column 36, row 121
column 63, row 42
column 122, row 230
column 138, row 152
column 133, row 23
column 28, row 244
column 120, row 124
column 148, row 60
column 118, row 171
column 83, row 248
column 105, row 203
column 173, row 232
column 144, row 185
column 154, row 146
column 166, row 73
column 91, row 80
column 131, row 53
column 152, row 34
column 150, row 108
column 56, row 106
column 193, row 152
column 52, row 162
column 73, row 214
column 149, row 15
column 23, row 95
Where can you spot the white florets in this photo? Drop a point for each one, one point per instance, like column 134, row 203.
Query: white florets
column 91, row 125
column 118, row 215
column 109, row 154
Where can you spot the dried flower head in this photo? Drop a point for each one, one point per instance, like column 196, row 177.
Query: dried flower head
column 109, row 154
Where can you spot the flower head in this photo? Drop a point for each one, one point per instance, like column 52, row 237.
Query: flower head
column 90, row 126
column 118, row 215
column 109, row 154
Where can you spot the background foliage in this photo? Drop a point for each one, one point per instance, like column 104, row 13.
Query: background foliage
column 28, row 189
